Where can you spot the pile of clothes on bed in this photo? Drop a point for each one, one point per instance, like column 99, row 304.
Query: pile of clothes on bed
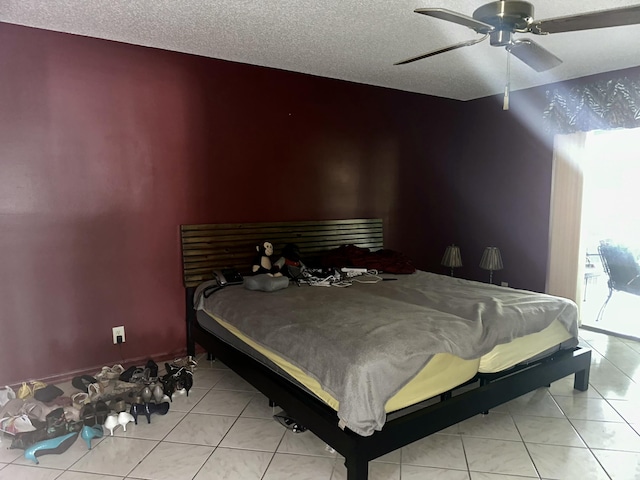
column 384, row 260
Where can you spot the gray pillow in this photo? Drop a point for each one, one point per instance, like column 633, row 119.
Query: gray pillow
column 265, row 283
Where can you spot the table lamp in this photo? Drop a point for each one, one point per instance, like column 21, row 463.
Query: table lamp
column 452, row 258
column 491, row 260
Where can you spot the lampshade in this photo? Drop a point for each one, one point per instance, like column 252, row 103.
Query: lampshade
column 452, row 258
column 491, row 260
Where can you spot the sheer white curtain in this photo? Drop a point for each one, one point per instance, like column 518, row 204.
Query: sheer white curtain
column 565, row 269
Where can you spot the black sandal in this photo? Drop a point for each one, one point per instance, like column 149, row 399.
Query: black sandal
column 82, row 382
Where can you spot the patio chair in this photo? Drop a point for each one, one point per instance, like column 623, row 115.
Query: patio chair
column 622, row 268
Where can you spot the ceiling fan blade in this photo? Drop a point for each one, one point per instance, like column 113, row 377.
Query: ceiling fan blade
column 455, row 17
column 538, row 58
column 614, row 17
column 468, row 43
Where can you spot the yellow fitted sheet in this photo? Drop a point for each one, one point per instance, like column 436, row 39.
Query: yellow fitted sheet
column 442, row 373
column 509, row 354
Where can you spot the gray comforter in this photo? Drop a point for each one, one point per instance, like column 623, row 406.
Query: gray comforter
column 365, row 342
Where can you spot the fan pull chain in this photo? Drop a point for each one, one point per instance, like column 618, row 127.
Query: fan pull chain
column 507, row 86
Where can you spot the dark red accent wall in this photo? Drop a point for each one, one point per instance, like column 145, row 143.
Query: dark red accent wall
column 106, row 148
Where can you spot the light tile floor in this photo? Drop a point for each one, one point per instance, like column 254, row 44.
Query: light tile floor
column 225, row 430
column 619, row 316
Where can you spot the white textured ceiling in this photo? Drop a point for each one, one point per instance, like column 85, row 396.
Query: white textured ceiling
column 354, row 40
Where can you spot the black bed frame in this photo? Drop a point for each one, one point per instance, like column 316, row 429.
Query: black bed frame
column 415, row 422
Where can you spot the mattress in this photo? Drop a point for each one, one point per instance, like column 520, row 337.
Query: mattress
column 370, row 349
column 443, row 373
column 531, row 347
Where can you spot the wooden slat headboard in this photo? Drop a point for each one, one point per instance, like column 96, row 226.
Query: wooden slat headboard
column 233, row 245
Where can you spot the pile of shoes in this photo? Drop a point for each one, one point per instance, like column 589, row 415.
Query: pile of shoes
column 43, row 421
column 40, row 419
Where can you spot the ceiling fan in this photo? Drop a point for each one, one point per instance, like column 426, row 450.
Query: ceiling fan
column 502, row 19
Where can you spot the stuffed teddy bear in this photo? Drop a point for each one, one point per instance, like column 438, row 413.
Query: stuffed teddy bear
column 262, row 261
column 266, row 276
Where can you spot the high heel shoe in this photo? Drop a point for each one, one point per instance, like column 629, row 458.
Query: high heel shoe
column 158, row 393
column 140, row 409
column 159, row 408
column 118, row 405
column 52, row 445
column 23, row 440
column 184, row 379
column 88, row 415
column 168, row 385
column 146, row 394
column 147, row 409
column 102, row 410
column 170, row 369
column 111, row 422
column 177, row 378
column 124, row 418
column 153, row 368
column 89, row 433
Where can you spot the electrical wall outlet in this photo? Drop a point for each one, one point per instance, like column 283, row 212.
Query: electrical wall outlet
column 504, row 284
column 118, row 332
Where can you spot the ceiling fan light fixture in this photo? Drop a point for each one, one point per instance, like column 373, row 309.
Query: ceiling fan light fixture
column 511, row 15
column 501, row 38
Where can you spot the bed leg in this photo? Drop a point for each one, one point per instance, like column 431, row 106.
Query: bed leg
column 210, row 357
column 357, row 469
column 272, row 403
column 484, row 381
column 191, row 318
column 581, row 380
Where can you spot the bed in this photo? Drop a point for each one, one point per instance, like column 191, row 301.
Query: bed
column 441, row 388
